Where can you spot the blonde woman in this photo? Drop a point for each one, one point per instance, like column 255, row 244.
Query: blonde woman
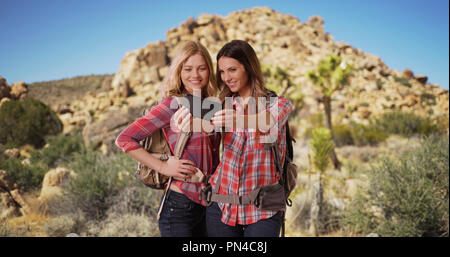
column 182, row 214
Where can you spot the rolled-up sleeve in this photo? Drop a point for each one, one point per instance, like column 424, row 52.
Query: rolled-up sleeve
column 158, row 117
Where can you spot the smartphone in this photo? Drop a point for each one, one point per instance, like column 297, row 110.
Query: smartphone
column 203, row 108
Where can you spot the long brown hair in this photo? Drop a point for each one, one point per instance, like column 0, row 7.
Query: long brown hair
column 243, row 53
column 173, row 86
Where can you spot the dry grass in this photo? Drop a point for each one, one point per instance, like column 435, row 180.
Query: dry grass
column 29, row 225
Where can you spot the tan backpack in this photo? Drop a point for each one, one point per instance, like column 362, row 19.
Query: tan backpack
column 156, row 144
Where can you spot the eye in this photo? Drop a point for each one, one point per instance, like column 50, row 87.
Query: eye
column 187, row 69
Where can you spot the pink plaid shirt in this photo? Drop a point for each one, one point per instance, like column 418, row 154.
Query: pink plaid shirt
column 247, row 165
column 201, row 148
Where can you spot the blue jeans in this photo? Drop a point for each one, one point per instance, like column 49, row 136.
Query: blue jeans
column 263, row 228
column 181, row 217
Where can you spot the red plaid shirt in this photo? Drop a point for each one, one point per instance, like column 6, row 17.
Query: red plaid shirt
column 201, row 148
column 247, row 165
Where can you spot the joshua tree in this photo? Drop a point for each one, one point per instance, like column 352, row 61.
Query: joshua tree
column 279, row 80
column 321, row 145
column 330, row 76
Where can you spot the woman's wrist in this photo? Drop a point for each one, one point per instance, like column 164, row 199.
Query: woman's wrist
column 161, row 167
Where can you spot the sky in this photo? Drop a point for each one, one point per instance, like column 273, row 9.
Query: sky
column 42, row 40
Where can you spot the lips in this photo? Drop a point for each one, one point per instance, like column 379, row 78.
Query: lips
column 232, row 84
column 195, row 81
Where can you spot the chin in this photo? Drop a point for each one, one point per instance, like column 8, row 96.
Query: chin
column 196, row 87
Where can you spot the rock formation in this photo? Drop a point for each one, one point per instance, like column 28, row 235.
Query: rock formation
column 279, row 40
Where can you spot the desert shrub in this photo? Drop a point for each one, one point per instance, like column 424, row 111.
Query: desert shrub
column 367, row 134
column 135, row 199
column 350, row 134
column 26, row 177
column 405, row 124
column 379, row 84
column 61, row 226
column 60, row 150
column 342, row 135
column 442, row 122
column 98, row 177
column 407, row 196
column 358, row 217
column 4, row 229
column 127, row 225
column 27, row 122
column 402, row 81
column 428, row 99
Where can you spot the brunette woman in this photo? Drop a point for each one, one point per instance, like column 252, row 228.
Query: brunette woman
column 246, row 163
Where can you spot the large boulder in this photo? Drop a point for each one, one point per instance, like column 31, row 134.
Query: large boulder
column 105, row 130
column 408, row 74
column 140, row 67
column 53, row 182
column 422, row 79
column 19, row 90
column 12, row 153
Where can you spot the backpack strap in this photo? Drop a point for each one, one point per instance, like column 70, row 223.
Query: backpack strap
column 182, row 139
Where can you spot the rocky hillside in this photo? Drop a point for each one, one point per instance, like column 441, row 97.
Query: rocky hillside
column 280, row 40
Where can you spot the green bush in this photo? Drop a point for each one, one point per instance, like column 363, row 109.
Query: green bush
column 27, row 122
column 379, row 84
column 405, row 124
column 442, row 123
column 402, row 81
column 428, row 99
column 342, row 135
column 60, row 150
column 321, row 146
column 367, row 135
column 98, row 178
column 25, row 176
column 410, row 194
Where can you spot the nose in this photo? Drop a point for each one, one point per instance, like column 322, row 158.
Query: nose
column 196, row 73
column 225, row 77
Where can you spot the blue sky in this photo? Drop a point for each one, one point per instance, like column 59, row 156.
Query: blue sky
column 46, row 40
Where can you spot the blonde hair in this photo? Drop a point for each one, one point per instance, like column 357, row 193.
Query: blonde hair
column 173, row 86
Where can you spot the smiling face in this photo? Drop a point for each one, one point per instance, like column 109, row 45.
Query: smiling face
column 233, row 73
column 195, row 73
